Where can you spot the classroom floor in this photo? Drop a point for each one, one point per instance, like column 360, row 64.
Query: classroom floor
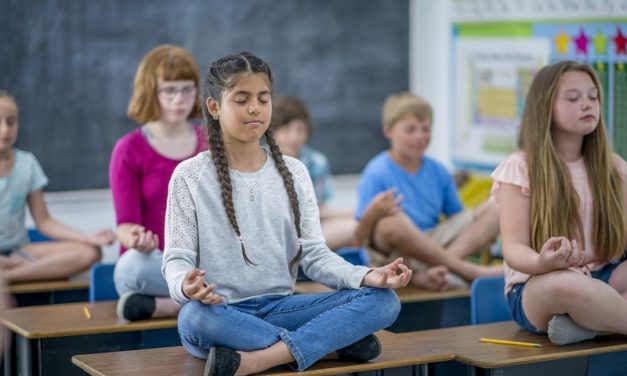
column 91, row 210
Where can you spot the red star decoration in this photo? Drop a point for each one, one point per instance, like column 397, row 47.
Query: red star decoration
column 581, row 42
column 620, row 41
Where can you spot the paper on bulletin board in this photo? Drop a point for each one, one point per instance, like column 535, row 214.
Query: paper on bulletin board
column 492, row 77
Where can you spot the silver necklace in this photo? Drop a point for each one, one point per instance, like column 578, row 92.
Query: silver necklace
column 249, row 186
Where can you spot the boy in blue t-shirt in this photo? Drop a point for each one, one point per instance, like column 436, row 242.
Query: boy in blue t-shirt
column 403, row 194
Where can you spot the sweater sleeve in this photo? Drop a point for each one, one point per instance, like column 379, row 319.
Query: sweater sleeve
column 181, row 231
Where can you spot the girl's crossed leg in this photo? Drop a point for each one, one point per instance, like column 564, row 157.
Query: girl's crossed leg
column 49, row 260
column 591, row 303
column 273, row 330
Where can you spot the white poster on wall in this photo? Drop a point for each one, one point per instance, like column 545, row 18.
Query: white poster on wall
column 492, row 77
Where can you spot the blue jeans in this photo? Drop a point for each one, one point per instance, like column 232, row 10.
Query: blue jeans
column 311, row 325
column 140, row 272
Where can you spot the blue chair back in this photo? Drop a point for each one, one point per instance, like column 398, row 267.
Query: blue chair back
column 487, row 301
column 101, row 286
column 356, row 256
column 36, row 236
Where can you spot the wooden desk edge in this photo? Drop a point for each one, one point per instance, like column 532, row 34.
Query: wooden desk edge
column 112, row 328
column 85, row 367
column 48, row 286
column 541, row 358
column 334, row 370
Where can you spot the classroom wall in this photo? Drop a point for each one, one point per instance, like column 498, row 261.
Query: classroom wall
column 429, row 56
column 70, row 65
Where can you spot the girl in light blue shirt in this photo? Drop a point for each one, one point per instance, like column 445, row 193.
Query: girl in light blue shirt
column 21, row 183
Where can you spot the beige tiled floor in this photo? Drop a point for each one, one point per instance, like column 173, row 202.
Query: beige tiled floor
column 90, row 210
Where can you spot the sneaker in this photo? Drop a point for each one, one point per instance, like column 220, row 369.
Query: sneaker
column 133, row 306
column 363, row 350
column 221, row 361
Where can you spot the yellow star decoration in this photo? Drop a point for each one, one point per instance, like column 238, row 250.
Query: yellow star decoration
column 599, row 42
column 600, row 66
column 621, row 67
column 561, row 43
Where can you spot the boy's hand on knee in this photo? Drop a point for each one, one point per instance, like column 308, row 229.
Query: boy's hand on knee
column 384, row 204
column 393, row 275
column 196, row 288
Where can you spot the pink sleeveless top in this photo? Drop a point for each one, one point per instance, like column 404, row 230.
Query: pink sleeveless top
column 514, row 171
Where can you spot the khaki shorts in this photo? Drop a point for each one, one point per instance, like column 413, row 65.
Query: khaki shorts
column 443, row 234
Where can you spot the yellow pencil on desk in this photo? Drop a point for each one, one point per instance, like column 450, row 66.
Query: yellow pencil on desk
column 87, row 313
column 511, row 343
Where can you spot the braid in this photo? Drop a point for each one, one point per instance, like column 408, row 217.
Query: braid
column 222, row 76
column 222, row 169
column 288, row 182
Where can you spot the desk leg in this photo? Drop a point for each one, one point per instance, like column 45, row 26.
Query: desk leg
column 422, row 370
column 24, row 356
column 9, row 347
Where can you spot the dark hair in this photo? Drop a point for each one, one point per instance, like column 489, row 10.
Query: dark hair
column 287, row 109
column 222, row 76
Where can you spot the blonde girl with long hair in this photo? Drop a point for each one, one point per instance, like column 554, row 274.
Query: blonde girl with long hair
column 562, row 201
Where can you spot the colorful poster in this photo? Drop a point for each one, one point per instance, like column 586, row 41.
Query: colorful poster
column 492, row 78
column 491, row 74
column 620, row 110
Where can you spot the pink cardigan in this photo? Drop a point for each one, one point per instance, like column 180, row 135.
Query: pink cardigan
column 139, row 178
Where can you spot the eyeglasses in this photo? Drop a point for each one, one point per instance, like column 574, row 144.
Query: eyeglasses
column 169, row 92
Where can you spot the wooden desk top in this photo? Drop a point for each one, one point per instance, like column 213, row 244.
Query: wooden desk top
column 406, row 294
column 177, row 361
column 467, row 349
column 402, row 349
column 62, row 320
column 48, row 286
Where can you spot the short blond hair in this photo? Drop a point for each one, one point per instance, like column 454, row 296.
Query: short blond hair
column 167, row 63
column 6, row 95
column 396, row 106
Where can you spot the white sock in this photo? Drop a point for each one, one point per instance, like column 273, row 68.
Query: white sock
column 563, row 330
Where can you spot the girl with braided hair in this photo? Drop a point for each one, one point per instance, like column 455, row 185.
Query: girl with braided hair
column 240, row 220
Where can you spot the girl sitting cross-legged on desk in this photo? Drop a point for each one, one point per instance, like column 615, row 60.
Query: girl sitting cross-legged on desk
column 165, row 98
column 21, row 183
column 562, row 200
column 239, row 221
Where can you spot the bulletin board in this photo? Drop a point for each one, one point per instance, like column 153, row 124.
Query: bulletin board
column 497, row 46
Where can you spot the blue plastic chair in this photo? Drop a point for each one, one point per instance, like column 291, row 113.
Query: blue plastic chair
column 36, row 236
column 356, row 256
column 101, row 286
column 487, row 301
